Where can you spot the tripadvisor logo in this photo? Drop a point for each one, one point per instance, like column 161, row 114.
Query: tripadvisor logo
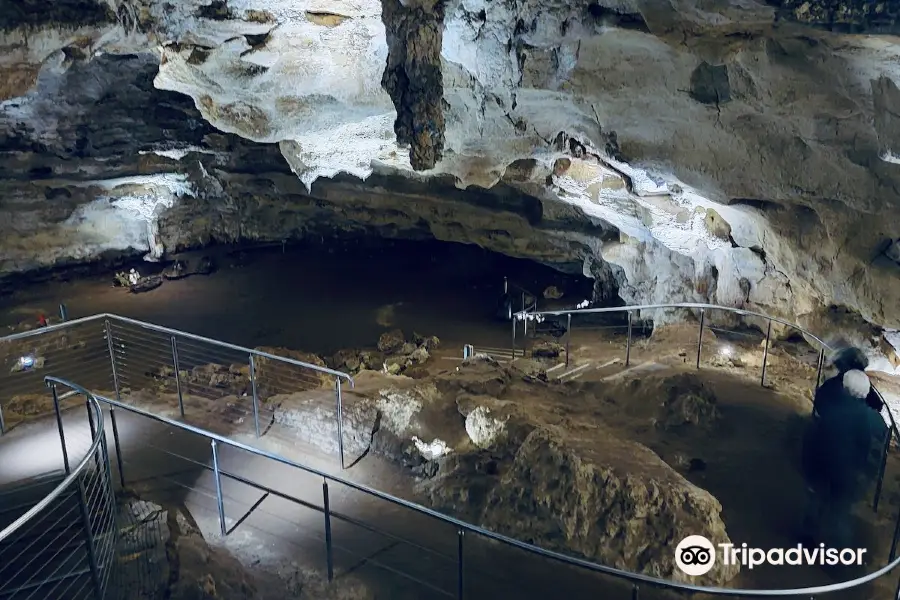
column 695, row 555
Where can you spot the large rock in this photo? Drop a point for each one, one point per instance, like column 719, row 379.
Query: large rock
column 589, row 493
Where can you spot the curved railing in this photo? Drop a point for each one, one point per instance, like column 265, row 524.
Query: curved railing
column 894, row 432
column 64, row 545
column 465, row 530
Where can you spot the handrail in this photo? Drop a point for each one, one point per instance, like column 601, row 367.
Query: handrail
column 461, row 525
column 531, row 548
column 76, row 472
column 200, row 338
column 700, row 306
column 167, row 330
column 696, row 305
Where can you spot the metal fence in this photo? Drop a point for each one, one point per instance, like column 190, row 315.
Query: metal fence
column 472, row 558
column 721, row 337
column 61, row 542
column 199, row 379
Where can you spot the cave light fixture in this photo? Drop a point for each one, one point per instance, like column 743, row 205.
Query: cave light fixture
column 26, row 362
column 726, row 351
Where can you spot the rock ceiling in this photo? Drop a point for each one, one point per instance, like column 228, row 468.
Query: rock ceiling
column 743, row 152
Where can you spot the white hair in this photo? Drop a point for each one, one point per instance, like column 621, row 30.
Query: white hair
column 857, row 383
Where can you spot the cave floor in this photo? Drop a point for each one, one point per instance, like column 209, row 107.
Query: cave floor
column 750, row 463
column 749, row 459
column 313, row 299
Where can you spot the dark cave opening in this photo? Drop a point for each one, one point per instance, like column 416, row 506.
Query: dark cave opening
column 318, row 295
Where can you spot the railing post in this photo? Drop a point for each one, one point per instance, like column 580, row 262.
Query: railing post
column 89, row 539
column 59, row 425
column 568, row 338
column 882, row 468
column 219, row 500
column 460, row 572
column 177, row 376
column 2, row 422
column 700, row 337
column 635, row 592
column 819, row 368
column 893, row 553
column 762, row 379
column 514, row 335
column 92, row 426
column 329, row 552
column 255, row 395
column 112, row 358
column 340, row 418
column 628, row 342
column 112, row 409
column 115, row 428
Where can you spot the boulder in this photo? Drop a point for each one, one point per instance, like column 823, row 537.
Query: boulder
column 586, row 493
column 391, row 342
column 547, row 349
column 688, row 400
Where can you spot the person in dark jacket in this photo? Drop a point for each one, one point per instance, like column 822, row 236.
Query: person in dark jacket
column 836, row 456
column 846, row 360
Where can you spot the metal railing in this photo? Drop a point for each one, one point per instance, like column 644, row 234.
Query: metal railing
column 703, row 330
column 464, row 534
column 462, row 531
column 193, row 373
column 63, row 547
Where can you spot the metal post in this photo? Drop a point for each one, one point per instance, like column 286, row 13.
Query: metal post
column 2, row 422
column 63, row 313
column 505, row 285
column 762, row 379
column 112, row 358
column 568, row 338
column 255, row 395
column 115, row 428
column 884, row 456
column 514, row 335
column 628, row 342
column 329, row 555
column 177, row 376
column 635, row 592
column 460, row 573
column 59, row 425
column 819, row 368
column 893, row 553
column 700, row 338
column 89, row 539
column 219, row 500
column 92, row 426
column 340, row 418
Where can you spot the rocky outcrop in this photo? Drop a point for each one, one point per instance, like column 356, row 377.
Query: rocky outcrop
column 610, row 170
column 588, row 492
column 412, row 77
column 855, row 16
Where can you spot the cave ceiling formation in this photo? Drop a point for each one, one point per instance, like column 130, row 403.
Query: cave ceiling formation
column 742, row 153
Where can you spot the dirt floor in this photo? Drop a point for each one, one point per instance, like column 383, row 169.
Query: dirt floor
column 716, row 428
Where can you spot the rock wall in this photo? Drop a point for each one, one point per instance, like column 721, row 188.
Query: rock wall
column 692, row 152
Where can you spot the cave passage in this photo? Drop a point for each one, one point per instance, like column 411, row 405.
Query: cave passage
column 322, row 297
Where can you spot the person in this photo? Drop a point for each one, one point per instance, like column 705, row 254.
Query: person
column 837, row 451
column 846, row 360
column 42, row 320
